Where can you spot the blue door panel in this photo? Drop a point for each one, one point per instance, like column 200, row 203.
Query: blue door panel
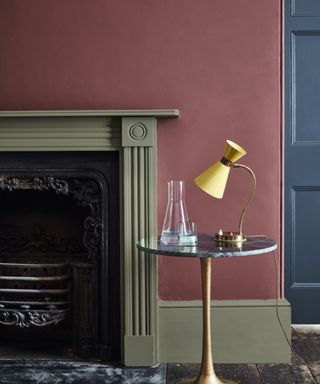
column 302, row 159
column 305, row 8
column 305, row 86
column 305, row 210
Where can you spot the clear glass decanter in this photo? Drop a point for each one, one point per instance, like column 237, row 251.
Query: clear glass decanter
column 176, row 217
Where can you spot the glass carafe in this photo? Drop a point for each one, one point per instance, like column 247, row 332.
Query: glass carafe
column 176, row 217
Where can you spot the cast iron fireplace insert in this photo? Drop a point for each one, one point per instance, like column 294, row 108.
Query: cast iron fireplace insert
column 59, row 254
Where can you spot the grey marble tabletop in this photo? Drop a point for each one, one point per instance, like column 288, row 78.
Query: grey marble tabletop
column 207, row 247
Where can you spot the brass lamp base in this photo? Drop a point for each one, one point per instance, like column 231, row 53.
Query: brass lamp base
column 229, row 237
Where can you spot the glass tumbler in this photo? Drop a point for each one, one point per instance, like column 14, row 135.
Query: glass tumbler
column 188, row 233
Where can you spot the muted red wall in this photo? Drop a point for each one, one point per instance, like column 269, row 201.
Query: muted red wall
column 217, row 61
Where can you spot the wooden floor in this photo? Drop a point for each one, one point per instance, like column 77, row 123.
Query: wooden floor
column 306, row 344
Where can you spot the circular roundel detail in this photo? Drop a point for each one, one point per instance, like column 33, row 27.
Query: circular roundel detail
column 138, row 131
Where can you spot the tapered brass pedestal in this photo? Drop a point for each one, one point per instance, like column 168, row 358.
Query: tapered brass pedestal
column 207, row 374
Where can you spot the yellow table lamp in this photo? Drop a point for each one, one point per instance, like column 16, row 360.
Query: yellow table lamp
column 214, row 180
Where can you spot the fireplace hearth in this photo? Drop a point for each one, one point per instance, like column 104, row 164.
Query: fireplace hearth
column 59, row 254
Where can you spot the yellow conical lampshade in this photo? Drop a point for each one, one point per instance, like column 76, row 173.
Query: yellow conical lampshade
column 233, row 151
column 214, row 179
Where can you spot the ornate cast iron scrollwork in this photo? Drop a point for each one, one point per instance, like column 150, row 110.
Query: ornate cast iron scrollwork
column 87, row 194
column 34, row 183
column 91, row 238
column 24, row 318
column 41, row 241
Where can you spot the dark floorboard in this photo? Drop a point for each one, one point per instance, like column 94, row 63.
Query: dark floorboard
column 42, row 371
column 285, row 373
column 302, row 371
column 238, row 373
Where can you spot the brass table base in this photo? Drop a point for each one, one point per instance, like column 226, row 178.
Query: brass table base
column 206, row 380
column 207, row 374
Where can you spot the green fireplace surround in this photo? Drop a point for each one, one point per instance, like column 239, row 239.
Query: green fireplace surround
column 153, row 331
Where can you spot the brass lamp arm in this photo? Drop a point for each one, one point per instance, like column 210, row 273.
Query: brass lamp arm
column 235, row 165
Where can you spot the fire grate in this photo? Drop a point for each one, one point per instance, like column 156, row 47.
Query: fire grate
column 65, row 218
column 34, row 294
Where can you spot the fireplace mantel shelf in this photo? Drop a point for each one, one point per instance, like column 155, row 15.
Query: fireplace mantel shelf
column 98, row 112
column 80, row 130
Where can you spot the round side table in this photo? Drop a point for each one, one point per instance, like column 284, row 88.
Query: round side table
column 205, row 250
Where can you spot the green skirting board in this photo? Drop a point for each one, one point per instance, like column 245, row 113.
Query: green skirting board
column 243, row 331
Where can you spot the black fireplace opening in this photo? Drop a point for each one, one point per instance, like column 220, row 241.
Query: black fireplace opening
column 60, row 255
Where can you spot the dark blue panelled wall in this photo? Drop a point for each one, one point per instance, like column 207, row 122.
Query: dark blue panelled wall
column 302, row 159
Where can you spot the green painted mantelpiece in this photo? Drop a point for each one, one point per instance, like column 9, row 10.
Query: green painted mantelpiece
column 133, row 134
